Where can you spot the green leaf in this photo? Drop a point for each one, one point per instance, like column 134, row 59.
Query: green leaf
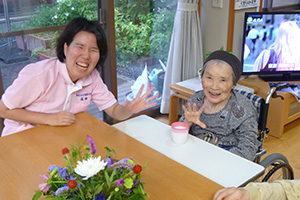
column 144, row 165
column 37, row 195
column 54, row 198
column 109, row 179
column 98, row 188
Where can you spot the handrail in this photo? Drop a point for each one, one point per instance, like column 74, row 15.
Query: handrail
column 30, row 31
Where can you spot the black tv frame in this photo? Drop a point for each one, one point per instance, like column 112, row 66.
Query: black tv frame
column 269, row 75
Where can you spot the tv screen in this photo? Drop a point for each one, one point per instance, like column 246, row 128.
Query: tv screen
column 271, row 45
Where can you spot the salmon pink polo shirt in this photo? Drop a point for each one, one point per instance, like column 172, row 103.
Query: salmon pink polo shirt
column 46, row 87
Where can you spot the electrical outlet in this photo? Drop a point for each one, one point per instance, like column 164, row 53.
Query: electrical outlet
column 217, row 3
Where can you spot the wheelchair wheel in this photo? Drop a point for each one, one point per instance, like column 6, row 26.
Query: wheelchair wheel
column 276, row 168
column 283, row 168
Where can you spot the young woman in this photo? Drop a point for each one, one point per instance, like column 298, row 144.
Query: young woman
column 52, row 91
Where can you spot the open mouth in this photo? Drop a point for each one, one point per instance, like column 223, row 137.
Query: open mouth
column 82, row 65
column 214, row 94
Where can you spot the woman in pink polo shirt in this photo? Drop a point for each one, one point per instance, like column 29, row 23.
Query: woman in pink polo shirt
column 52, row 91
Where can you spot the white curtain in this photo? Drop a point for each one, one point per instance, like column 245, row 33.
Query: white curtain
column 185, row 54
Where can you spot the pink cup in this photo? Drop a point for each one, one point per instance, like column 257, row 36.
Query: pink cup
column 180, row 132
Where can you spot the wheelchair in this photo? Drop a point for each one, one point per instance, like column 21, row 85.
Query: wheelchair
column 276, row 165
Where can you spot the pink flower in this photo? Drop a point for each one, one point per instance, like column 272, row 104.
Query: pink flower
column 131, row 42
column 92, row 145
column 44, row 177
column 120, row 182
column 44, row 187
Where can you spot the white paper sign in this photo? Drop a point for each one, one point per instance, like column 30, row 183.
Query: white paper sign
column 243, row 4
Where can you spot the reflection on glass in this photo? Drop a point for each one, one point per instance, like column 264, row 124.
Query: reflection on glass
column 143, row 33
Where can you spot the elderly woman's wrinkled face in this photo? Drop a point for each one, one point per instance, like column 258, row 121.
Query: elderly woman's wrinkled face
column 217, row 82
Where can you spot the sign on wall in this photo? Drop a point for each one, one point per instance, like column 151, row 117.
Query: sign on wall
column 243, row 4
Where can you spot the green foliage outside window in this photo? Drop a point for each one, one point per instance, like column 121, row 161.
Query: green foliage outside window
column 143, row 27
column 62, row 12
column 132, row 40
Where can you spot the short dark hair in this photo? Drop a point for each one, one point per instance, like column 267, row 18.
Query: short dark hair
column 74, row 27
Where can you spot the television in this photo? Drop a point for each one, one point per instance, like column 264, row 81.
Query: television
column 271, row 45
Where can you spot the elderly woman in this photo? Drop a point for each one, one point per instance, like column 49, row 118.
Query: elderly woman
column 280, row 189
column 218, row 113
column 52, row 91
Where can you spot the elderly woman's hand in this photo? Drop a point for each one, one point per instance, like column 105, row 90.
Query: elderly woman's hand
column 232, row 194
column 192, row 115
column 140, row 103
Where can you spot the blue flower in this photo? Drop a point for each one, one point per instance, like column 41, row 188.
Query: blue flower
column 128, row 191
column 100, row 196
column 124, row 160
column 109, row 161
column 60, row 190
column 62, row 172
column 52, row 167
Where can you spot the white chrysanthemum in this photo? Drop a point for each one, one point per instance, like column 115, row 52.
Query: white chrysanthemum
column 90, row 167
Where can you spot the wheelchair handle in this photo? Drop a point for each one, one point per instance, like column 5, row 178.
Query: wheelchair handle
column 272, row 93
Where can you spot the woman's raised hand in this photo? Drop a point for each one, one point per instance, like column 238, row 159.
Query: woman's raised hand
column 141, row 102
column 192, row 115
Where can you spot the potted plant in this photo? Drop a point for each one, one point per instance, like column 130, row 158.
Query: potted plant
column 58, row 13
column 43, row 53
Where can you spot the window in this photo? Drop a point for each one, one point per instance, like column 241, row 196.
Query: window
column 141, row 37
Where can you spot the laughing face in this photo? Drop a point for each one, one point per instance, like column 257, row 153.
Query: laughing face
column 82, row 55
column 217, row 82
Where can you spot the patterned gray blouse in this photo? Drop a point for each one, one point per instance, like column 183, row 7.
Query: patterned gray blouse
column 235, row 126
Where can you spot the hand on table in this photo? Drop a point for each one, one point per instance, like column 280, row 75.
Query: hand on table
column 62, row 118
column 232, row 194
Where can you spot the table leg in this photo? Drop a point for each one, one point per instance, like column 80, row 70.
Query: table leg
column 173, row 112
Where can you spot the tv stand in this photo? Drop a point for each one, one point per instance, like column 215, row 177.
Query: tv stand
column 293, row 76
column 281, row 112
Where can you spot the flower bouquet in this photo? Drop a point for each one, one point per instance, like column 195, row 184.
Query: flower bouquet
column 87, row 177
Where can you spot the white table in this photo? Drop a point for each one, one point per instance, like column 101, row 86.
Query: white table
column 215, row 163
column 196, row 85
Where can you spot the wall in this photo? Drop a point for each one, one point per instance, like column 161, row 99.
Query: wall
column 238, row 31
column 214, row 26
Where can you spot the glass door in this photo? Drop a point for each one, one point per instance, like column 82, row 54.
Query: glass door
column 139, row 42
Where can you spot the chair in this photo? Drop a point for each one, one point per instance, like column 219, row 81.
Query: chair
column 276, row 165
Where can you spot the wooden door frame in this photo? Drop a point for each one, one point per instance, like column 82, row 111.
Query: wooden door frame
column 231, row 20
